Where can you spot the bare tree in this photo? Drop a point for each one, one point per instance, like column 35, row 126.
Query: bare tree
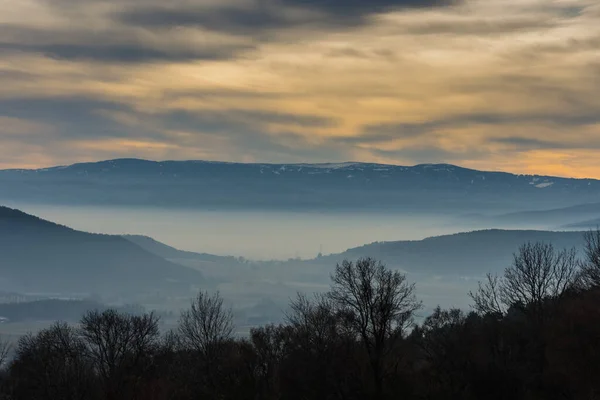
column 591, row 267
column 52, row 365
column 120, row 346
column 207, row 323
column 315, row 320
column 487, row 297
column 206, row 329
column 5, row 348
column 539, row 273
column 379, row 304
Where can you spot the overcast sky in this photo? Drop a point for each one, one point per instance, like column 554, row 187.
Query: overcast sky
column 490, row 84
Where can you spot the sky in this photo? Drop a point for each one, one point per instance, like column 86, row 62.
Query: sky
column 489, row 84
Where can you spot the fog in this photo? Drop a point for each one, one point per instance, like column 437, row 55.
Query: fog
column 259, row 292
column 253, row 235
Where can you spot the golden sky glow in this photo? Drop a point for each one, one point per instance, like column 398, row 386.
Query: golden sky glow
column 489, row 84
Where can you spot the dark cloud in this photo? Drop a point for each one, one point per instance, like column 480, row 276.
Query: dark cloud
column 107, row 45
column 480, row 27
column 375, row 134
column 121, row 53
column 381, row 133
column 85, row 119
column 525, row 118
column 226, row 19
column 523, row 143
column 235, row 119
column 360, row 7
column 71, row 118
column 431, row 154
column 264, row 15
column 566, row 143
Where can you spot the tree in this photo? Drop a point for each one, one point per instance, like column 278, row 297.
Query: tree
column 5, row 348
column 206, row 328
column 320, row 343
column 314, row 321
column 120, row 347
column 206, row 324
column 377, row 304
column 591, row 267
column 532, row 286
column 268, row 346
column 444, row 342
column 51, row 365
column 538, row 274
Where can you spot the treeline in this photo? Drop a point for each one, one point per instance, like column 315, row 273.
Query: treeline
column 534, row 333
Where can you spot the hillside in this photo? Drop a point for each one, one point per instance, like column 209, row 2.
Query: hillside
column 471, row 253
column 38, row 255
column 171, row 253
column 440, row 188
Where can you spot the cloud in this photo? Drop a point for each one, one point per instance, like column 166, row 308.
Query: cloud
column 262, row 16
column 118, row 44
column 483, row 83
column 467, row 27
column 122, row 53
column 430, row 154
column 524, row 143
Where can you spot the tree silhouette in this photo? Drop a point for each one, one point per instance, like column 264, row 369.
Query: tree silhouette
column 378, row 305
column 205, row 329
column 538, row 273
column 591, row 264
column 52, row 365
column 120, row 347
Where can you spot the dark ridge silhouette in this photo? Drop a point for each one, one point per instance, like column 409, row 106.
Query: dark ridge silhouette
column 38, row 255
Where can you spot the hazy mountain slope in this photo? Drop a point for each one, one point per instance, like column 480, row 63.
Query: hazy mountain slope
column 358, row 186
column 472, row 253
column 589, row 224
column 553, row 216
column 165, row 251
column 37, row 255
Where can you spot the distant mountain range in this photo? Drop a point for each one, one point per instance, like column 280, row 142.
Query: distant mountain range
column 345, row 186
column 40, row 256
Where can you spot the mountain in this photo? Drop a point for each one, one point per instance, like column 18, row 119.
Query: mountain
column 345, row 186
column 471, row 253
column 557, row 216
column 38, row 255
column 171, row 253
column 589, row 224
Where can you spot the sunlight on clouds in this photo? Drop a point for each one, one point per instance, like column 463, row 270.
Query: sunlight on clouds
column 463, row 76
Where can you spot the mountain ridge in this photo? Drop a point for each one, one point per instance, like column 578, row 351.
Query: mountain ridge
column 296, row 164
column 326, row 186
